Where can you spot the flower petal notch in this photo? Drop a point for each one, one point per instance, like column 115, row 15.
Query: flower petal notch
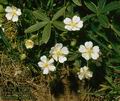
column 84, row 73
column 58, row 52
column 46, row 64
column 73, row 24
column 89, row 51
column 12, row 13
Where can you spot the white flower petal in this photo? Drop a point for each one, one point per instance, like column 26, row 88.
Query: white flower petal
column 18, row 12
column 80, row 24
column 8, row 9
column 85, row 68
column 55, row 57
column 76, row 19
column 67, row 21
column 62, row 59
column 40, row 64
column 94, row 56
column 52, row 68
column 46, row 71
column 88, row 44
column 51, row 61
column 80, row 77
column 68, row 27
column 75, row 28
column 15, row 18
column 59, row 45
column 86, row 56
column 65, row 50
column 82, row 49
column 43, row 58
column 9, row 16
column 96, row 49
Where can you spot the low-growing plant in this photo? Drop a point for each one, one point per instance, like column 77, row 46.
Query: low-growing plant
column 64, row 40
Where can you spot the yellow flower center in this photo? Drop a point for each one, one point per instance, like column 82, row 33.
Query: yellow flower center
column 89, row 51
column 14, row 11
column 46, row 65
column 73, row 24
column 59, row 53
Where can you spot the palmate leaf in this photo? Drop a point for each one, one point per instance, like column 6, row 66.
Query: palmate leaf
column 40, row 15
column 91, row 6
column 59, row 25
column 59, row 13
column 46, row 33
column 35, row 27
column 77, row 2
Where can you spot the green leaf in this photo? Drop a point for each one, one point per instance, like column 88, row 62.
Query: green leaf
column 103, row 19
column 46, row 33
column 1, row 8
column 59, row 25
column 88, row 17
column 91, row 6
column 5, row 2
column 98, row 42
column 35, row 27
column 59, row 13
column 40, row 15
column 111, row 6
column 4, row 39
column 77, row 2
column 115, row 29
column 101, row 4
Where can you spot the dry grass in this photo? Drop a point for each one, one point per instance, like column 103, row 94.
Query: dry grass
column 15, row 73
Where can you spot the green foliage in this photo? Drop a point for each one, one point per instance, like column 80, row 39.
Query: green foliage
column 42, row 22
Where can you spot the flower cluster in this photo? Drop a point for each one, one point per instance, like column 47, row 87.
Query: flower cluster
column 58, row 53
column 88, row 52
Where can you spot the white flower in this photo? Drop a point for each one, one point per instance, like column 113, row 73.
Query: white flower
column 12, row 13
column 73, row 24
column 29, row 44
column 88, row 51
column 59, row 52
column 84, row 73
column 46, row 64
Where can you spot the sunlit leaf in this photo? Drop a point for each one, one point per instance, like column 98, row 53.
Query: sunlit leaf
column 77, row 2
column 59, row 13
column 46, row 33
column 59, row 25
column 40, row 15
column 35, row 27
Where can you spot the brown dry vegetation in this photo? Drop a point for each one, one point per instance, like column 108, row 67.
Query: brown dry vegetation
column 14, row 73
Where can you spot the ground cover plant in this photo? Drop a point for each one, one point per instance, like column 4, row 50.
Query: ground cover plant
column 60, row 48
